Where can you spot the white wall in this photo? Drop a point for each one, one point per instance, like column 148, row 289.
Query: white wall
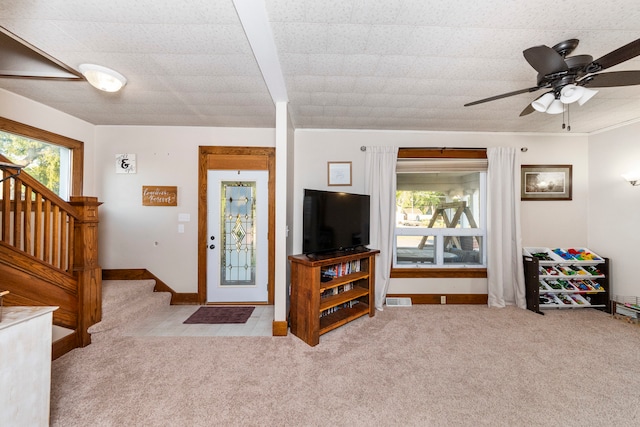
column 604, row 208
column 165, row 156
column 25, row 111
column 614, row 205
column 557, row 223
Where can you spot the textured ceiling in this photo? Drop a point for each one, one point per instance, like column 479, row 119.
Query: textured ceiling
column 346, row 64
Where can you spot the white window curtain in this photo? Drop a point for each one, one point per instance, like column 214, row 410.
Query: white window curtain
column 380, row 184
column 505, row 271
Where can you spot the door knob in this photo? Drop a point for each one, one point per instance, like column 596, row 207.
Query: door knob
column 212, row 246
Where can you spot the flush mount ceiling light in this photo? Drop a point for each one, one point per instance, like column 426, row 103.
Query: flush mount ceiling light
column 103, row 78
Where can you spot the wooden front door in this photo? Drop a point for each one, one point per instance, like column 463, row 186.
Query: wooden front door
column 225, row 160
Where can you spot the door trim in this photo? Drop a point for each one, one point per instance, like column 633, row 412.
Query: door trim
column 233, row 158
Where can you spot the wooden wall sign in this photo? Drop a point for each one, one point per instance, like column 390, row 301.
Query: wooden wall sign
column 153, row 195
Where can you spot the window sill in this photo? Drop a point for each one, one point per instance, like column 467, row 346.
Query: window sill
column 408, row 273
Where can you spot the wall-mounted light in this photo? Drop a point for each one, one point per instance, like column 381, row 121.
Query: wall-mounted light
column 632, row 177
column 103, row 78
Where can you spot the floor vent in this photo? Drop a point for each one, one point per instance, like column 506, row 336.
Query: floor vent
column 398, row 302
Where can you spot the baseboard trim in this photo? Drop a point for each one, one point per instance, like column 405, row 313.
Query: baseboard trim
column 64, row 345
column 279, row 328
column 144, row 274
column 450, row 298
column 184, row 298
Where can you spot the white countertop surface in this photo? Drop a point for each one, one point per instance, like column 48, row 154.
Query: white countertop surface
column 14, row 315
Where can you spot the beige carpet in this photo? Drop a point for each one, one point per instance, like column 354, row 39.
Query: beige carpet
column 427, row 365
column 123, row 303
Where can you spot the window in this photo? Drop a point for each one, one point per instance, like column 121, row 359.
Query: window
column 55, row 161
column 440, row 213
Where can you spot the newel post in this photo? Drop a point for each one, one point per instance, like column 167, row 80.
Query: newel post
column 85, row 265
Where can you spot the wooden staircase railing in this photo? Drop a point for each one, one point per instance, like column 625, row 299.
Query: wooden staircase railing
column 49, row 252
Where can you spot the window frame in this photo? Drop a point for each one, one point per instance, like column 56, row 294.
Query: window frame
column 76, row 147
column 450, row 271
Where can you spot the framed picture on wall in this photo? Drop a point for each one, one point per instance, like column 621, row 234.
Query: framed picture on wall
column 339, row 173
column 545, row 182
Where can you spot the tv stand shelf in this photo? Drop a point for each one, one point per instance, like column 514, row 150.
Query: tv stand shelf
column 352, row 277
column 318, row 306
column 339, row 318
column 341, row 298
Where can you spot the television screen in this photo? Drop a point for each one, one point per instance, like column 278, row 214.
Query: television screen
column 334, row 221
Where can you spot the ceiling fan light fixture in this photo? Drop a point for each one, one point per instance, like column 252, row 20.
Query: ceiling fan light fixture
column 556, row 107
column 542, row 103
column 103, row 78
column 571, row 93
column 587, row 95
column 633, row 177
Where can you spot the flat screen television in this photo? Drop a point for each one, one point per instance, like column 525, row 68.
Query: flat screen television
column 333, row 221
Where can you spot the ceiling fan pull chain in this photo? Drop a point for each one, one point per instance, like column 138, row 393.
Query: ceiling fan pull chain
column 568, row 118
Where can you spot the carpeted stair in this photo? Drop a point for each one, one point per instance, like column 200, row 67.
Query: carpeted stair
column 125, row 302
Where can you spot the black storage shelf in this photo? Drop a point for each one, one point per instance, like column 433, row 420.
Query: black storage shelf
column 577, row 295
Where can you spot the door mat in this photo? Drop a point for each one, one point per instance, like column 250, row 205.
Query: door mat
column 217, row 315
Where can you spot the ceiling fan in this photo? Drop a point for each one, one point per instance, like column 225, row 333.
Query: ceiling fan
column 570, row 78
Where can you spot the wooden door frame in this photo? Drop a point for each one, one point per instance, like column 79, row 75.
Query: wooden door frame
column 234, row 158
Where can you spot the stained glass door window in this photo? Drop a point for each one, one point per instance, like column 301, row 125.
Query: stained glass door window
column 238, row 257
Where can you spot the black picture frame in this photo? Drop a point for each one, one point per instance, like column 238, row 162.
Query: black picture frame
column 546, row 182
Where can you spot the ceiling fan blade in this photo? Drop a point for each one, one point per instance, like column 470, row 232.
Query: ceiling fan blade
column 545, row 60
column 528, row 110
column 624, row 53
column 504, row 95
column 616, row 78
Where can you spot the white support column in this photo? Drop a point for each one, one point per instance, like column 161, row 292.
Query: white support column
column 281, row 281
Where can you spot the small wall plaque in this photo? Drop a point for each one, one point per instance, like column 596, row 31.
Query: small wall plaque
column 153, row 195
column 125, row 163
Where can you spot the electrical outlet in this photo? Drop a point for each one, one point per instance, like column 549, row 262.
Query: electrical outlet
column 443, row 299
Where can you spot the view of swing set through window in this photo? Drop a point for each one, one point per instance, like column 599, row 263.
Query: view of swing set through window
column 440, row 212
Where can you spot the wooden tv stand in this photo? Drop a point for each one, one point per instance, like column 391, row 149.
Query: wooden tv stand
column 330, row 291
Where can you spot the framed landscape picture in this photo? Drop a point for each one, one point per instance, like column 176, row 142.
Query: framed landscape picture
column 545, row 182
